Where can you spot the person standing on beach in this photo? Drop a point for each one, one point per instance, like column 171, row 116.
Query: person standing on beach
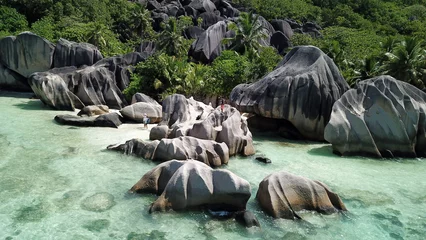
column 145, row 121
column 222, row 105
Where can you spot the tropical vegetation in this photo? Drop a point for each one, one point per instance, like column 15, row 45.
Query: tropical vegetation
column 365, row 38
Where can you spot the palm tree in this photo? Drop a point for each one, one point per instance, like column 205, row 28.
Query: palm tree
column 249, row 31
column 142, row 22
column 96, row 35
column 407, row 61
column 170, row 39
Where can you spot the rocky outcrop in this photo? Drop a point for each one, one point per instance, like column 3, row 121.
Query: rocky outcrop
column 26, row 53
column 140, row 97
column 382, row 117
column 106, row 120
column 192, row 32
column 209, row 19
column 208, row 45
column 68, row 53
column 283, row 194
column 93, row 110
column 191, row 184
column 69, row 88
column 136, row 147
column 282, row 26
column 136, row 111
column 53, row 91
column 203, row 5
column 10, row 80
column 183, row 148
column 302, row 90
column 187, row 117
column 120, row 66
column 280, row 41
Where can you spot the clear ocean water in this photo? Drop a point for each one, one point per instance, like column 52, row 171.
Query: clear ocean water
column 59, row 182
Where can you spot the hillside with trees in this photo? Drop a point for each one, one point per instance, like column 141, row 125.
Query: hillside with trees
column 365, row 38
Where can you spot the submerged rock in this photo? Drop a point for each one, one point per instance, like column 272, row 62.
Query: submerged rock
column 98, row 202
column 301, row 90
column 191, row 184
column 382, row 117
column 247, row 219
column 283, row 194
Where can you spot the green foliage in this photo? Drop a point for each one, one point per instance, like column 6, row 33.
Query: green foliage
column 170, row 40
column 249, row 31
column 11, row 21
column 162, row 75
column 229, row 70
column 266, row 61
column 407, row 61
column 45, row 27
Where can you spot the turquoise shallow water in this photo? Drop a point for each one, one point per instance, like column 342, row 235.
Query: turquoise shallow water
column 58, row 182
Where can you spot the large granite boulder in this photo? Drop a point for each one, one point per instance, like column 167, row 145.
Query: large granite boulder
column 26, row 53
column 208, row 45
column 282, row 26
column 382, row 117
column 68, row 53
column 120, row 65
column 106, row 120
column 136, row 111
column 99, row 84
column 10, row 80
column 209, row 19
column 203, row 5
column 302, row 90
column 192, row 32
column 52, row 90
column 280, row 41
column 209, row 152
column 140, row 97
column 283, row 194
column 191, row 184
column 187, row 117
column 225, row 126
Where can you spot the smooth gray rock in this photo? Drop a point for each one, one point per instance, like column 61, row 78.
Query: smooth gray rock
column 159, row 132
column 203, row 5
column 209, row 19
column 191, row 184
column 120, row 65
column 208, row 45
column 192, row 32
column 100, row 84
column 68, row 53
column 283, row 194
column 136, row 111
column 140, row 97
column 209, row 152
column 106, row 120
column 26, row 53
column 93, row 110
column 183, row 148
column 302, row 90
column 51, row 89
column 283, row 26
column 280, row 41
column 136, row 147
column 382, row 117
column 9, row 80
